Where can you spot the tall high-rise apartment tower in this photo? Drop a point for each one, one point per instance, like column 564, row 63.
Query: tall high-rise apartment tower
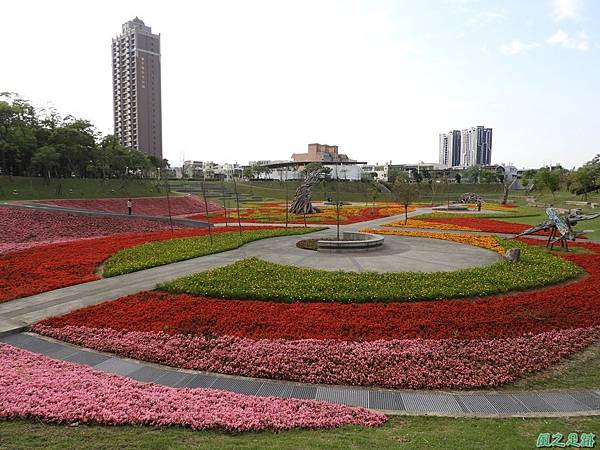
column 450, row 148
column 136, row 88
column 469, row 147
column 476, row 146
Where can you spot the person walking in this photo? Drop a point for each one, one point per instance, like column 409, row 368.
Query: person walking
column 129, row 206
column 478, row 205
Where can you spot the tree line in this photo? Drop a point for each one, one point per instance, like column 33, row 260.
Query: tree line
column 40, row 142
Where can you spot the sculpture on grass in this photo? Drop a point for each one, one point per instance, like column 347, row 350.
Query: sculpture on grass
column 302, row 199
column 561, row 228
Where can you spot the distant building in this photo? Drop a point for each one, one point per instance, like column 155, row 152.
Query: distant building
column 476, row 146
column 136, row 88
column 321, row 153
column 450, row 148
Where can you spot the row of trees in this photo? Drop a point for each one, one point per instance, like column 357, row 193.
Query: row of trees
column 581, row 181
column 39, row 142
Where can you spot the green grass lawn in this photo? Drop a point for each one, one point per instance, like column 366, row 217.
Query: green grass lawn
column 159, row 253
column 32, row 188
column 399, row 433
column 580, row 371
column 255, row 279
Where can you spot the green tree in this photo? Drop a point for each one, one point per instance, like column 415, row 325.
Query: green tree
column 404, row 192
column 458, row 177
column 45, row 161
column 473, row 173
column 548, row 179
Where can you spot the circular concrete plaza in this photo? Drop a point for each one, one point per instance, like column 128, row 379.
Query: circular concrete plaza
column 397, row 254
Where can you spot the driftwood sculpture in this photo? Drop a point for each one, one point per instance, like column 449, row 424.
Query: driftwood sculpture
column 302, row 199
column 560, row 227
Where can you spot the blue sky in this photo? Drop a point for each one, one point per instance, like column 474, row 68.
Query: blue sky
column 380, row 79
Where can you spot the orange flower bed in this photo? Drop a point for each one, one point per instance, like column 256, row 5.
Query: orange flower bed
column 416, row 223
column 488, row 242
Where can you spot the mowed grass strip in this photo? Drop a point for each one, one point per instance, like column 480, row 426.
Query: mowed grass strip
column 159, row 253
column 253, row 278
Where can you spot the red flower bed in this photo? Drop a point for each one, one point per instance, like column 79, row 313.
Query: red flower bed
column 576, row 305
column 275, row 213
column 25, row 228
column 150, row 206
column 488, row 225
column 53, row 266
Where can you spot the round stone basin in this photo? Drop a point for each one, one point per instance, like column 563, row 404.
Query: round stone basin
column 351, row 241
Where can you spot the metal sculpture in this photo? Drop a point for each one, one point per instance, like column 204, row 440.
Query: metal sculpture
column 471, row 197
column 561, row 228
column 302, row 198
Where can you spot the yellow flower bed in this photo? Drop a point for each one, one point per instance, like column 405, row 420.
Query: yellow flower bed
column 416, row 223
column 495, row 207
column 488, row 242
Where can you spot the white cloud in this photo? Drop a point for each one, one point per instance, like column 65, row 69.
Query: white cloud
column 562, row 39
column 567, row 9
column 516, row 47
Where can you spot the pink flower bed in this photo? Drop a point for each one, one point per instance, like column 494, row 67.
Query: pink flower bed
column 26, row 228
column 409, row 363
column 150, row 206
column 33, row 385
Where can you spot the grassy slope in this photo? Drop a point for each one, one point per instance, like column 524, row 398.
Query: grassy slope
column 581, row 371
column 39, row 188
column 399, row 433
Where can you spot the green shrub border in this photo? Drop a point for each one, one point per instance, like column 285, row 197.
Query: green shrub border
column 159, row 253
column 255, row 279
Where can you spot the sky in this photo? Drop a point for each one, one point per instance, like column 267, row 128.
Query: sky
column 256, row 80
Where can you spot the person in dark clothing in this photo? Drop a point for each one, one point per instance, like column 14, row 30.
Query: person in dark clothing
column 129, row 206
column 478, row 205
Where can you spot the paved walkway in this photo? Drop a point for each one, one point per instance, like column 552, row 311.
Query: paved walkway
column 471, row 404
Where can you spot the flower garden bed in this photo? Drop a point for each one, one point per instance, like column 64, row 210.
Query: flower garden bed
column 259, row 280
column 26, row 228
column 34, row 386
column 150, row 206
column 44, row 268
column 413, row 364
column 464, row 223
column 159, row 253
column 275, row 213
column 469, row 343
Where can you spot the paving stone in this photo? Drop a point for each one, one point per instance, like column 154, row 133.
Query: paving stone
column 475, row 403
column 269, row 389
column 249, row 387
column 343, row 396
column 588, row 398
column 118, row 366
column 505, row 404
column 386, row 400
column 87, row 358
column 173, row 378
column 201, row 381
column 147, row 374
column 563, row 402
column 441, row 403
column 533, row 402
column 303, row 392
